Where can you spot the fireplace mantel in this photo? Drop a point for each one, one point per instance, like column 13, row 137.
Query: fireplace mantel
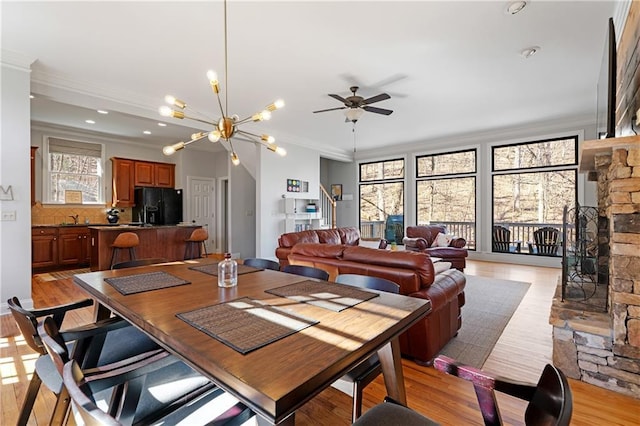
column 590, row 149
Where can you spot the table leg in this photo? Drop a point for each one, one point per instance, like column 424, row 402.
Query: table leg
column 101, row 312
column 391, row 362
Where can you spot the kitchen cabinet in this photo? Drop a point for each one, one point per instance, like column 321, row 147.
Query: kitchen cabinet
column 123, row 183
column 44, row 247
column 129, row 174
column 74, row 246
column 152, row 174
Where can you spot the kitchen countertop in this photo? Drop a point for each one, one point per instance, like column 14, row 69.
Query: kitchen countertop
column 111, row 225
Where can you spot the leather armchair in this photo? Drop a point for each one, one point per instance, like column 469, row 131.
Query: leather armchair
column 420, row 239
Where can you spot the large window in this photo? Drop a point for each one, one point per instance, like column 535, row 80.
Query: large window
column 532, row 182
column 446, row 192
column 382, row 200
column 73, row 166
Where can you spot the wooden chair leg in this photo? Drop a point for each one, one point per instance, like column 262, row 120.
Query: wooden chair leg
column 29, row 399
column 113, row 257
column 61, row 409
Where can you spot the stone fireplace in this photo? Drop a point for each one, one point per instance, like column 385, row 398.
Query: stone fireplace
column 603, row 348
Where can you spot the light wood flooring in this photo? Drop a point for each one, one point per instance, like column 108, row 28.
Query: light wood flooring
column 522, row 351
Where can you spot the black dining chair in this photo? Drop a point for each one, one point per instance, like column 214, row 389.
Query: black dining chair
column 124, row 341
column 138, row 262
column 550, row 400
column 156, row 384
column 259, row 263
column 307, row 271
column 367, row 371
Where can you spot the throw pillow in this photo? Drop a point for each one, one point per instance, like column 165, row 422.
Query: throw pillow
column 442, row 240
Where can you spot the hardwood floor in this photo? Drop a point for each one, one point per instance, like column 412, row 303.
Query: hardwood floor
column 521, row 353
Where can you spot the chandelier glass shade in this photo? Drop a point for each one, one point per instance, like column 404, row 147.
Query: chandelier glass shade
column 227, row 126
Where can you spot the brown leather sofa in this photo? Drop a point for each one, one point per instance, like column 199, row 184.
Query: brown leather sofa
column 420, row 238
column 414, row 272
column 349, row 236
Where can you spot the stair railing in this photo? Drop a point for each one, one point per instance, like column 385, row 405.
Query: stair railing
column 327, row 207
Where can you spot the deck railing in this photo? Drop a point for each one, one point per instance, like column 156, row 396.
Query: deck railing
column 519, row 231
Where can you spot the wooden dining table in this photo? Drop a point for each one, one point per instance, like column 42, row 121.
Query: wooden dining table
column 277, row 378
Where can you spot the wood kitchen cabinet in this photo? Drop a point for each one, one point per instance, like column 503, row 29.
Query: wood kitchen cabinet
column 123, row 182
column 154, row 174
column 129, row 174
column 74, row 246
column 44, row 247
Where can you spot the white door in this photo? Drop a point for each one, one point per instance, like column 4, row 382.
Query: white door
column 201, row 205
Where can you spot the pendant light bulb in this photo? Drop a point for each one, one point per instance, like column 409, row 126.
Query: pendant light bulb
column 214, row 136
column 234, row 159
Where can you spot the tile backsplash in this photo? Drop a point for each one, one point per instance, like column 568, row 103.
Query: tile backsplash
column 53, row 214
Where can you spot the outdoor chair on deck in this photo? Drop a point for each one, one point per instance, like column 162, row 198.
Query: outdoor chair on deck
column 545, row 241
column 367, row 371
column 307, row 271
column 502, row 241
column 550, row 401
column 261, row 263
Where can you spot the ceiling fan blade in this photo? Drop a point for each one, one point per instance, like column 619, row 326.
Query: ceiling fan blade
column 330, row 109
column 377, row 98
column 377, row 110
column 338, row 97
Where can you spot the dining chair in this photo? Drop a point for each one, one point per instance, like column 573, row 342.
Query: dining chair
column 366, row 372
column 501, row 240
column 550, row 401
column 138, row 262
column 124, row 341
column 307, row 271
column 157, row 384
column 27, row 321
column 261, row 263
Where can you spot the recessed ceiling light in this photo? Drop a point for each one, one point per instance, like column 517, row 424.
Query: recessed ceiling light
column 90, row 121
column 101, row 111
column 162, row 124
column 146, row 132
column 529, row 51
column 515, row 7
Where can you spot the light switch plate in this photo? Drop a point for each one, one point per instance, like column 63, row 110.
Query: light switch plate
column 8, row 215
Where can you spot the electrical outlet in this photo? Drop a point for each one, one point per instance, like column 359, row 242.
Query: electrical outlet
column 8, row 215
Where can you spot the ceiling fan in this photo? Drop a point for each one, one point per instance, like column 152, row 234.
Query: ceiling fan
column 356, row 105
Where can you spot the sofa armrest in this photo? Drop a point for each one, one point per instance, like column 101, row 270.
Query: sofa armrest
column 458, row 242
column 417, row 243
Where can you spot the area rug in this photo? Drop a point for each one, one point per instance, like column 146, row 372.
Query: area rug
column 489, row 305
column 60, row 275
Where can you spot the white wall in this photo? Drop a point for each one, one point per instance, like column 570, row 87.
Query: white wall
column 242, row 217
column 15, row 236
column 272, row 174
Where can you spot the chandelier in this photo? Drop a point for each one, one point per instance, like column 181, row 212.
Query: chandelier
column 227, row 126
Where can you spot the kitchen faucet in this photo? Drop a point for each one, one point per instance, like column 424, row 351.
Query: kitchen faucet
column 75, row 219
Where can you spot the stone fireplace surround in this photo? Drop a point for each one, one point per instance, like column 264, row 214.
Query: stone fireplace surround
column 604, row 348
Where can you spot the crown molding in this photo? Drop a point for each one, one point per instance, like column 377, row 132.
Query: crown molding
column 16, row 60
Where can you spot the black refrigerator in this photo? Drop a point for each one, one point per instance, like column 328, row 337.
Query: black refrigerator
column 158, row 206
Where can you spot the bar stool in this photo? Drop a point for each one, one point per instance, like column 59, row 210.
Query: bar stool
column 124, row 240
column 196, row 240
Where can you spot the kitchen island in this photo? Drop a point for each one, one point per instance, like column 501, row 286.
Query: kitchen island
column 164, row 241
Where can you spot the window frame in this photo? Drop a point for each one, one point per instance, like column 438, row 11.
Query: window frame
column 47, row 174
column 446, row 176
column 532, row 142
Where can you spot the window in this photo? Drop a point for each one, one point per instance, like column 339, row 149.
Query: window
column 446, row 192
column 73, row 166
column 532, row 182
column 382, row 200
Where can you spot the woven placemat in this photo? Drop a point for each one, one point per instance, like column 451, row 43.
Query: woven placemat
column 245, row 324
column 138, row 283
column 336, row 297
column 212, row 269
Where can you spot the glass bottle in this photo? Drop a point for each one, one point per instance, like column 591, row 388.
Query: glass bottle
column 227, row 272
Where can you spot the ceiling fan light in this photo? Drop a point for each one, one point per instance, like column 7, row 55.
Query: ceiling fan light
column 353, row 114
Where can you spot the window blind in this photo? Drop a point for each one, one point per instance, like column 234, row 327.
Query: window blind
column 74, row 147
